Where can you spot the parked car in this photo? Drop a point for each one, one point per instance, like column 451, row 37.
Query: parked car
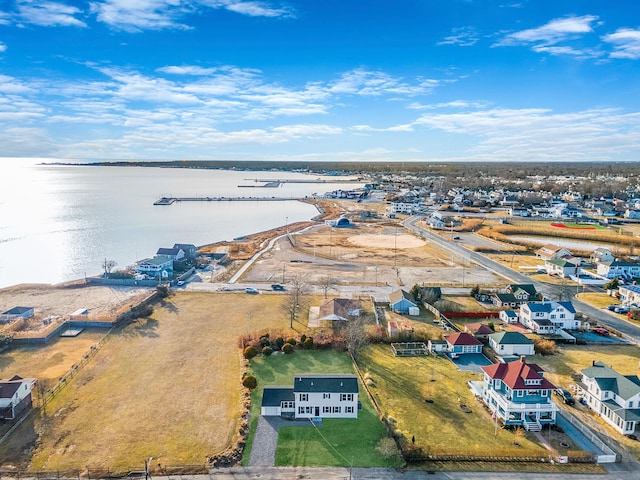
column 456, row 238
column 601, row 331
column 622, row 310
column 612, row 307
column 180, row 283
column 251, row 290
column 566, row 396
column 277, row 287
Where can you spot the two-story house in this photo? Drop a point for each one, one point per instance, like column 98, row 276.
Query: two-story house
column 314, row 396
column 157, row 267
column 15, row 397
column 518, row 394
column 515, row 295
column 629, row 295
column 561, row 267
column 615, row 397
column 549, row 317
column 619, row 269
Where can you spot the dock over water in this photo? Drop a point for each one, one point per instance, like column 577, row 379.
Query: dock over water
column 172, row 200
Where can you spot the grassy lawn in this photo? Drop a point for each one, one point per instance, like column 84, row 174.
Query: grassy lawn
column 338, row 442
column 517, row 261
column 403, row 384
column 598, row 300
column 167, row 387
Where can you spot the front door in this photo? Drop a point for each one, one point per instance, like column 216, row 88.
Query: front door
column 317, row 411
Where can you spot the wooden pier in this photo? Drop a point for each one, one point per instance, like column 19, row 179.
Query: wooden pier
column 172, row 200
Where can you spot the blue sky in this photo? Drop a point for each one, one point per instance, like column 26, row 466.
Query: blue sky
column 376, row 80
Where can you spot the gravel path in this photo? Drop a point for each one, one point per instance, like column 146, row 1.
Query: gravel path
column 263, row 451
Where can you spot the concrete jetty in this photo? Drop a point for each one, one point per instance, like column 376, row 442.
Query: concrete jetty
column 172, row 200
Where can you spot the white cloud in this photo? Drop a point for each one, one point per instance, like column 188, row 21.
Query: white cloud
column 463, row 36
column 544, row 39
column 626, row 43
column 4, row 18
column 187, row 70
column 138, row 15
column 374, row 83
column 3, row 47
column 49, row 14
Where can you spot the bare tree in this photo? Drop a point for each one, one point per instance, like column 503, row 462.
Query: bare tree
column 108, row 266
column 355, row 335
column 42, row 387
column 327, row 283
column 296, row 297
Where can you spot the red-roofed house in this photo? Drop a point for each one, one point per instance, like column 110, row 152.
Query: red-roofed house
column 479, row 330
column 518, row 394
column 461, row 342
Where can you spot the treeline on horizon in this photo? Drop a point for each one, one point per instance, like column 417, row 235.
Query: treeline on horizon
column 449, row 169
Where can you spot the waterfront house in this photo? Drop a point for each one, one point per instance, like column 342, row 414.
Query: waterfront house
column 549, row 252
column 511, row 343
column 461, row 342
column 549, row 317
column 175, row 254
column 629, row 295
column 313, row 396
column 619, row 269
column 600, row 255
column 517, row 394
column 615, row 397
column 401, row 301
column 157, row 267
column 15, row 397
column 188, row 248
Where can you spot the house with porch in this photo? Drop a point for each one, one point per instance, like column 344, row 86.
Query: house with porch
column 175, row 253
column 313, row 396
column 549, row 252
column 613, row 396
column 561, row 267
column 525, row 292
column 157, row 267
column 619, row 269
column 15, row 397
column 549, row 317
column 511, row 343
column 517, row 394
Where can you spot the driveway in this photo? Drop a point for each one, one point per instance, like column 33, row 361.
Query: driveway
column 265, row 441
column 471, row 362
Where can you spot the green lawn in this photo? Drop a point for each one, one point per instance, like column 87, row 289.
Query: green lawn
column 338, row 442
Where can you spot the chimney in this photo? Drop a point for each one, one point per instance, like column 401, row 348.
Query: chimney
column 593, row 363
column 522, row 358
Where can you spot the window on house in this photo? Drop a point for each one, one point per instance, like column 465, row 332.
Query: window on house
column 326, row 395
column 326, row 409
column 346, row 397
column 348, row 409
column 304, row 397
column 337, row 409
column 520, row 393
column 562, row 315
column 287, row 404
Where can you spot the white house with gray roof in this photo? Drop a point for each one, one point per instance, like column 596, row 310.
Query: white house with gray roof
column 613, row 396
column 549, row 317
column 313, row 396
column 511, row 343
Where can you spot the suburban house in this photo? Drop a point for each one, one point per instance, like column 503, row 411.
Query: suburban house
column 600, row 255
column 629, row 294
column 460, row 343
column 549, row 252
column 17, row 312
column 15, row 397
column 619, row 269
column 341, row 309
column 561, row 267
column 615, row 397
column 509, row 316
column 523, row 291
column 188, row 248
column 158, row 267
column 518, row 394
column 313, row 396
column 631, row 213
column 505, row 300
column 174, row 253
column 401, row 301
column 511, row 343
column 479, row 330
column 548, row 317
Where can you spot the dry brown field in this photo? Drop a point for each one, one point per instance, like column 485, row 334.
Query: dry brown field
column 167, row 387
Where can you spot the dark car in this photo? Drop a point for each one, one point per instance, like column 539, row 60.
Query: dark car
column 251, row 290
column 566, row 396
column 277, row 287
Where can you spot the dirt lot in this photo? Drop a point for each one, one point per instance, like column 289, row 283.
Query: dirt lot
column 367, row 254
column 63, row 300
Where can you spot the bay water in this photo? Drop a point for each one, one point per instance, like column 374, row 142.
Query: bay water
column 59, row 223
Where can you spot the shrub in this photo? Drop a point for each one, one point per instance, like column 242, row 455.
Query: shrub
column 634, row 314
column 292, row 342
column 163, row 290
column 544, row 346
column 250, row 382
column 279, row 342
column 287, row 348
column 264, row 342
column 308, row 343
column 303, row 338
column 250, row 352
column 267, row 351
column 387, row 447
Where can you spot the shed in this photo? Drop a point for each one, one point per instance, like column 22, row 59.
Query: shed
column 17, row 312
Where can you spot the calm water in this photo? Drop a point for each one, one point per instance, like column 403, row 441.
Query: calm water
column 59, row 223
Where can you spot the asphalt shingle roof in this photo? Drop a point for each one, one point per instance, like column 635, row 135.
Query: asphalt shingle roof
column 330, row 383
column 510, row 338
column 625, row 386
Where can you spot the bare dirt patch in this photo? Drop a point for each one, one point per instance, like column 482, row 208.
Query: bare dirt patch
column 402, row 241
